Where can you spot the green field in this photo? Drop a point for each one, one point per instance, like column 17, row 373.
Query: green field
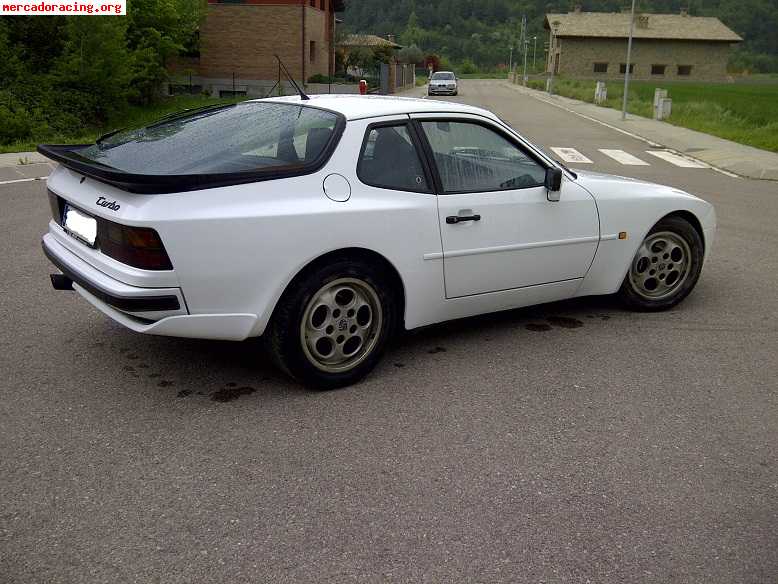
column 745, row 111
column 133, row 116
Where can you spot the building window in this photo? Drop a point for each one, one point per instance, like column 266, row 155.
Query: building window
column 684, row 70
column 313, row 52
column 312, row 3
column 623, row 68
column 658, row 69
column 601, row 67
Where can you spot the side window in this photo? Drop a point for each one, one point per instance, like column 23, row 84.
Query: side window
column 389, row 160
column 473, row 158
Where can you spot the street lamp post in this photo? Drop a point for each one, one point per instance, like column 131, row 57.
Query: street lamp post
column 552, row 54
column 629, row 55
column 526, row 46
column 534, row 50
column 510, row 63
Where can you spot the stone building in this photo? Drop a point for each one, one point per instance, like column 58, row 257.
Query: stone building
column 239, row 38
column 593, row 45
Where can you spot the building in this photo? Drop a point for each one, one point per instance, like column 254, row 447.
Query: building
column 593, row 45
column 365, row 41
column 239, row 38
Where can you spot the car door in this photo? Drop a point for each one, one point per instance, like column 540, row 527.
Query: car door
column 498, row 229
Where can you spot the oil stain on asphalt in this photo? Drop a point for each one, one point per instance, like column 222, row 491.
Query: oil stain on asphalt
column 564, row 321
column 230, row 393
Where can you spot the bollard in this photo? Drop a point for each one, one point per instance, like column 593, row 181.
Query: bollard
column 659, row 95
column 664, row 108
column 362, row 87
column 600, row 93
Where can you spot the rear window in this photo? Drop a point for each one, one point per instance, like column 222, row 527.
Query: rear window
column 443, row 76
column 244, row 137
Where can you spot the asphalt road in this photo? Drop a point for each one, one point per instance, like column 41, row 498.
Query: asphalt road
column 571, row 442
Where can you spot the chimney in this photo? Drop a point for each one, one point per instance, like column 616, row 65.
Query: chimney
column 577, row 9
column 390, row 38
column 642, row 21
column 684, row 12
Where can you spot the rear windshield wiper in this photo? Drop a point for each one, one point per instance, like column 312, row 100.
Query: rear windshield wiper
column 189, row 111
column 108, row 135
column 169, row 117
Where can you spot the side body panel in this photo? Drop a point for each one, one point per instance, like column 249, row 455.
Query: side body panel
column 634, row 207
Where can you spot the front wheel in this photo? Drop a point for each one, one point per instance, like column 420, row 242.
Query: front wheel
column 332, row 326
column 665, row 268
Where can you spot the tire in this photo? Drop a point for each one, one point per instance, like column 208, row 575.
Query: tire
column 456, row 93
column 665, row 268
column 320, row 315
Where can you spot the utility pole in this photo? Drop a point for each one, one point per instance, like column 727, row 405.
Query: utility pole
column 629, row 55
column 526, row 45
column 552, row 55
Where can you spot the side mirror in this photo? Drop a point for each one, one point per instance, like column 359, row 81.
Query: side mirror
column 553, row 183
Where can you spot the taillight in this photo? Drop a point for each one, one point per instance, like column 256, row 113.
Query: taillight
column 139, row 247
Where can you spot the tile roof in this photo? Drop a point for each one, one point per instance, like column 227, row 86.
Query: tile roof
column 368, row 40
column 657, row 26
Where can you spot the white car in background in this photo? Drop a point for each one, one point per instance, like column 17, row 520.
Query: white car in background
column 443, row 83
column 328, row 224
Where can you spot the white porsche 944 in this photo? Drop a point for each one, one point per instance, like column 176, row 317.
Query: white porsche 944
column 326, row 225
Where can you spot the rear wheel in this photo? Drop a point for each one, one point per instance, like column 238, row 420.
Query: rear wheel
column 665, row 268
column 331, row 327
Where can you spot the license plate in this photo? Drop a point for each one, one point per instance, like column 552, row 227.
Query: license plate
column 80, row 225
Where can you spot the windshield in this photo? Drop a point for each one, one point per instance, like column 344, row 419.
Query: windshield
column 443, row 76
column 248, row 136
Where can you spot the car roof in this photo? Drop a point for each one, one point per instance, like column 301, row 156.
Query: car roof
column 355, row 107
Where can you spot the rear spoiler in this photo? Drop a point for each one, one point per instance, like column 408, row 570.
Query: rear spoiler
column 148, row 184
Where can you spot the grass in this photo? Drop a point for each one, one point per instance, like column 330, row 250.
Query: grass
column 745, row 111
column 133, row 116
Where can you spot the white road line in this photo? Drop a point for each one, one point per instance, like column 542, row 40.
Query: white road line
column 571, row 155
column 724, row 172
column 20, row 180
column 677, row 159
column 612, row 127
column 623, row 157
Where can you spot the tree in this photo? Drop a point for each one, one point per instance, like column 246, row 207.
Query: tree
column 411, row 54
column 360, row 59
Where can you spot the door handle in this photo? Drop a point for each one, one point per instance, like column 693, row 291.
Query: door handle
column 454, row 219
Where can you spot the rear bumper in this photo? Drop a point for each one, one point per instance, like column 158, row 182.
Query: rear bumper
column 157, row 311
column 135, row 303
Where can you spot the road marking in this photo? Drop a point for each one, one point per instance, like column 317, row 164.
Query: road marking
column 724, row 172
column 623, row 157
column 19, row 180
column 571, row 155
column 532, row 93
column 677, row 159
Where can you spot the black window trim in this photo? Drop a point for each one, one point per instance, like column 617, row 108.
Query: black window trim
column 417, row 144
column 430, row 155
column 149, row 184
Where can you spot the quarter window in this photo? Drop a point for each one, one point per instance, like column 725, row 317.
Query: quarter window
column 474, row 158
column 389, row 160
